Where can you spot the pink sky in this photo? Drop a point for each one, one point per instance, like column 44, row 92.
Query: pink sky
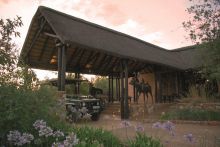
column 155, row 21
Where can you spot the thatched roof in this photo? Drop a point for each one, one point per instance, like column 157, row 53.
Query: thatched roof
column 94, row 45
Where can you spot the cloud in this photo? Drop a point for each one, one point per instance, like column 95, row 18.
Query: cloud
column 5, row 1
column 152, row 36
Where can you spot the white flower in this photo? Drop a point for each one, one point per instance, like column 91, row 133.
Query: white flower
column 46, row 131
column 16, row 138
column 71, row 140
column 58, row 134
column 38, row 124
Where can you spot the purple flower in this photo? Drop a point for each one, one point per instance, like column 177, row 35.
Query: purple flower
column 58, row 134
column 46, row 131
column 26, row 138
column 42, row 128
column 189, row 137
column 18, row 139
column 58, row 144
column 70, row 140
column 14, row 136
column 125, row 124
column 139, row 128
column 38, row 124
column 169, row 126
column 157, row 125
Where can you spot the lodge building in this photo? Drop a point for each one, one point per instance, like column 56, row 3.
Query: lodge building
column 63, row 43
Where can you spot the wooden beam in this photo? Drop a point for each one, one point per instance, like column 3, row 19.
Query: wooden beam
column 43, row 49
column 90, row 57
column 79, row 59
column 113, row 64
column 93, row 62
column 74, row 53
column 51, row 35
column 95, row 58
column 36, row 35
column 98, row 64
column 52, row 54
column 105, row 63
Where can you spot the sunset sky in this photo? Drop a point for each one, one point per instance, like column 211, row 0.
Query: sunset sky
column 155, row 21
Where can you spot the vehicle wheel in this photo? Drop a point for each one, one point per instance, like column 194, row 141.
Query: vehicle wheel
column 95, row 117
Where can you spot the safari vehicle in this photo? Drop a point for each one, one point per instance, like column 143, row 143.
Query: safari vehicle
column 79, row 106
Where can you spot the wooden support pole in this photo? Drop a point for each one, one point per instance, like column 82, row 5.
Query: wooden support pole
column 59, row 68
column 119, row 89
column 116, row 87
column 134, row 90
column 176, row 83
column 109, row 88
column 63, row 69
column 76, row 84
column 126, row 110
column 159, row 95
column 112, row 89
column 122, row 94
column 156, row 86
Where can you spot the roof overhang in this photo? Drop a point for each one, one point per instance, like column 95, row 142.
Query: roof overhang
column 92, row 49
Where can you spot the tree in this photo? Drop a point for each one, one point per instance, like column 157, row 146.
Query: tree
column 12, row 73
column 20, row 104
column 204, row 30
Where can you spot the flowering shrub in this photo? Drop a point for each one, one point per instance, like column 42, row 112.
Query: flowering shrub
column 46, row 136
column 18, row 139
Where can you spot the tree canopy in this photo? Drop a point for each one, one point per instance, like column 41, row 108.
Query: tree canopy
column 204, row 30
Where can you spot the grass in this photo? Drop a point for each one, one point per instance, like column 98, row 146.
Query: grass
column 141, row 140
column 93, row 137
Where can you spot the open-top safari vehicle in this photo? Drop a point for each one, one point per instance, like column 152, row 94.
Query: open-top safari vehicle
column 79, row 106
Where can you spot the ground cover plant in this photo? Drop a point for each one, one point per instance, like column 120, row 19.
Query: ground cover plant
column 142, row 140
column 192, row 114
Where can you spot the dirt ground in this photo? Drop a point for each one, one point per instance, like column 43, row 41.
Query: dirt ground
column 203, row 135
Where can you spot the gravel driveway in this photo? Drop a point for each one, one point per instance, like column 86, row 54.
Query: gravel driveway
column 203, row 135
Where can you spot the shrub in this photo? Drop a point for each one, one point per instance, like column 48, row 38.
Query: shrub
column 141, row 140
column 192, row 114
column 91, row 136
column 20, row 108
